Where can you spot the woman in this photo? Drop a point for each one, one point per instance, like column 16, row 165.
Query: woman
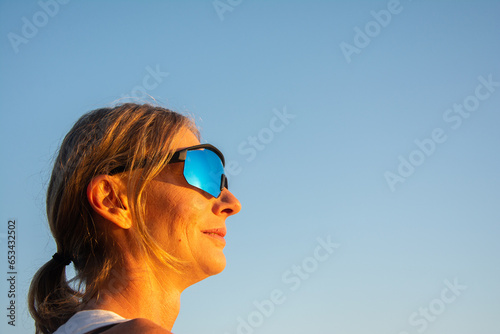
column 139, row 207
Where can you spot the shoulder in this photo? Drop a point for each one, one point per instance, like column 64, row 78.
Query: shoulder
column 139, row 325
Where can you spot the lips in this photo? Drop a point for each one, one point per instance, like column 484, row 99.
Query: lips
column 216, row 234
column 217, row 231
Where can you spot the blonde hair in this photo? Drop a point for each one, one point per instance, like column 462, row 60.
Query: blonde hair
column 136, row 138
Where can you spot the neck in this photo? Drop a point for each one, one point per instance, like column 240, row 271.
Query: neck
column 141, row 295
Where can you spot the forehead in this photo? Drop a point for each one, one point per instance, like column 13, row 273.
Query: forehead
column 185, row 138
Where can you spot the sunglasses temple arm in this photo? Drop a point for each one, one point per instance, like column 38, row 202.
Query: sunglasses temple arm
column 178, row 156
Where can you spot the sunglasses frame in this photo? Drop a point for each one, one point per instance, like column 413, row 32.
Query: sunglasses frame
column 180, row 155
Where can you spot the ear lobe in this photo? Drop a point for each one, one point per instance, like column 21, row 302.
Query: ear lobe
column 108, row 197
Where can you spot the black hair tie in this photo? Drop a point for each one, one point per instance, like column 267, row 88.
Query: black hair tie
column 65, row 260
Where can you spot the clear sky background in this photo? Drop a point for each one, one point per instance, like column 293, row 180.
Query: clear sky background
column 386, row 148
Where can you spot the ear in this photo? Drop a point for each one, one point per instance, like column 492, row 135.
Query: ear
column 107, row 195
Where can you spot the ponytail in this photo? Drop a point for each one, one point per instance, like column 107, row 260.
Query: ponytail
column 51, row 300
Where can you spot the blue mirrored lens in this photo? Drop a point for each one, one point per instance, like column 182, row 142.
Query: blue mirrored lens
column 203, row 169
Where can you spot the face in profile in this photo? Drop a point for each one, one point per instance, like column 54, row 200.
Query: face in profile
column 187, row 220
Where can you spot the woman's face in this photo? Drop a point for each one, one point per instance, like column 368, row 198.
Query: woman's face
column 187, row 220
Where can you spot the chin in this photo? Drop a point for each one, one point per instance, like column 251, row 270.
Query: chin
column 216, row 266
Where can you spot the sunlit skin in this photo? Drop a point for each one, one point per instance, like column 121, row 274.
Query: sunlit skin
column 170, row 201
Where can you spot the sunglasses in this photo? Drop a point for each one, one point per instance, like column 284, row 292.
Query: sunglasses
column 203, row 168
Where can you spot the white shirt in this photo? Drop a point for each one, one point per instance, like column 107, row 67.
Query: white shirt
column 86, row 321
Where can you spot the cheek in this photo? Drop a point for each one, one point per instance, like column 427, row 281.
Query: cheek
column 194, row 213
column 164, row 214
column 190, row 241
column 175, row 215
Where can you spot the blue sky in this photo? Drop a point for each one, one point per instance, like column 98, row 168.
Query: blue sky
column 326, row 240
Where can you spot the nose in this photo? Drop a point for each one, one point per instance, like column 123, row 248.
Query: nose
column 227, row 204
